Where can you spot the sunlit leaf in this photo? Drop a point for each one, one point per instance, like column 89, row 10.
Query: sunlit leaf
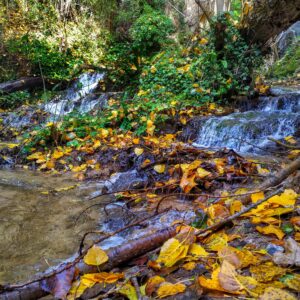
column 95, row 256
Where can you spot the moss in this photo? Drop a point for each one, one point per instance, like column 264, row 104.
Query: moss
column 288, row 66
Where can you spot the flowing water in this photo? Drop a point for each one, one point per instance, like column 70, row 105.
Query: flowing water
column 248, row 131
column 38, row 230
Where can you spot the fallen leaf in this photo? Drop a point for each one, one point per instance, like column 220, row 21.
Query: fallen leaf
column 95, row 256
column 213, row 283
column 291, row 257
column 160, row 168
column 152, row 284
column 272, row 293
column 257, row 196
column 270, row 229
column 104, row 277
column 138, row 151
column 129, row 291
column 202, row 173
column 171, row 252
column 228, row 254
column 197, row 251
column 228, row 277
column 266, row 272
column 292, row 281
column 167, row 289
column 217, row 241
column 189, row 266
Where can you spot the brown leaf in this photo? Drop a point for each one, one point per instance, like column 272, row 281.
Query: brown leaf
column 228, row 278
column 272, row 293
column 291, row 256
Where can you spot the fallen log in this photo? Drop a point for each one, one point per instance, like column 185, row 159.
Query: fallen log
column 25, row 83
column 117, row 256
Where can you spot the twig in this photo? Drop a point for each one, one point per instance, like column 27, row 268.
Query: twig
column 283, row 144
column 216, row 226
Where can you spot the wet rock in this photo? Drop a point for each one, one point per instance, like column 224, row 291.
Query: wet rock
column 271, row 248
column 126, row 181
column 287, row 38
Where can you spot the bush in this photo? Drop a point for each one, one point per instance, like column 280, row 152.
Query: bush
column 44, row 57
column 150, row 31
column 14, row 100
column 288, row 65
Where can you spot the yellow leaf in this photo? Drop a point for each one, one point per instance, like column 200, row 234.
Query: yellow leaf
column 97, row 144
column 266, row 220
column 171, row 252
column 129, row 291
column 266, row 272
column 76, row 290
column 262, row 171
column 235, row 206
column 257, row 196
column 272, row 293
column 197, row 251
column 104, row 277
column 152, row 284
column 217, row 241
column 287, row 198
column 167, row 289
column 189, row 266
column 203, row 41
column 293, row 282
column 290, row 139
column 138, row 151
column 213, row 283
column 160, row 168
column 95, row 256
column 57, row 154
column 270, row 229
column 36, row 155
column 202, row 173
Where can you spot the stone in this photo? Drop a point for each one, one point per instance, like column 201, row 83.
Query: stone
column 287, row 38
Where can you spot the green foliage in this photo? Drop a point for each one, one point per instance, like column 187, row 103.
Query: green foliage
column 148, row 34
column 45, row 58
column 288, row 65
column 150, row 31
column 14, row 100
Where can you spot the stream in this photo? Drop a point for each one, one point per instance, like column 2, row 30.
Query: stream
column 37, row 227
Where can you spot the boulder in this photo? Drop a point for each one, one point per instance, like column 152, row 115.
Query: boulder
column 287, row 38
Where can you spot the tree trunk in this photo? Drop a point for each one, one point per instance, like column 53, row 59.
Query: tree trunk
column 267, row 18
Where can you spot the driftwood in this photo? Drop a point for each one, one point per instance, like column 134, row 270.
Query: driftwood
column 25, row 83
column 121, row 254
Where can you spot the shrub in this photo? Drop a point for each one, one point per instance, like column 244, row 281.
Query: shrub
column 14, row 100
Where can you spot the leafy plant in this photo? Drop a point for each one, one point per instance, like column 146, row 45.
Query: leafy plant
column 14, row 100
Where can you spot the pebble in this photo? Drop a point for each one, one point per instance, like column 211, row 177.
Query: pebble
column 271, row 248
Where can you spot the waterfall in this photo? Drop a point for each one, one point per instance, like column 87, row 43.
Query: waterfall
column 248, row 131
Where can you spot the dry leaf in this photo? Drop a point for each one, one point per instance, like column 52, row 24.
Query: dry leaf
column 95, row 256
column 202, row 173
column 228, row 254
column 160, row 168
column 171, row 252
column 196, row 251
column 129, row 291
column 227, row 278
column 213, row 283
column 272, row 293
column 217, row 241
column 266, row 272
column 138, row 151
column 152, row 284
column 291, row 257
column 270, row 229
column 168, row 289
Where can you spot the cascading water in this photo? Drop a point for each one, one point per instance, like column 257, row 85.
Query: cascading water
column 248, row 132
column 79, row 96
